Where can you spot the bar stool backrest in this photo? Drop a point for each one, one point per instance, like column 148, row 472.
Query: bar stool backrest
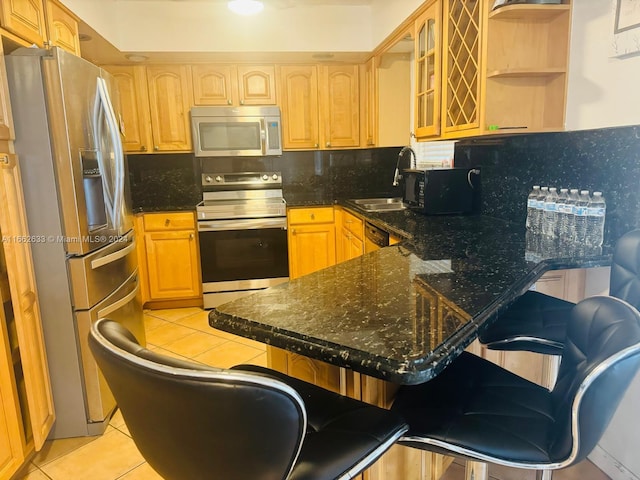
column 624, row 281
column 600, row 359
column 193, row 421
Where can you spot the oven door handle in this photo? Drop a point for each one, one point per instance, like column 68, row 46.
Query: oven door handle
column 250, row 224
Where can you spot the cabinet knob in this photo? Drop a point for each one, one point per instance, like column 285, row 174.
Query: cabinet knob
column 156, row 148
column 293, row 231
column 143, row 148
column 313, row 216
column 4, row 159
column 241, row 102
column 167, row 222
column 315, row 145
column 191, row 236
column 328, row 144
column 229, row 102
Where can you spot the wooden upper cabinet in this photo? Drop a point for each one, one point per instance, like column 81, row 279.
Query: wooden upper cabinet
column 427, row 72
column 340, row 105
column 170, row 94
column 369, row 115
column 298, row 91
column 25, row 18
column 134, row 106
column 233, row 85
column 462, row 64
column 214, row 84
column 320, row 106
column 63, row 28
column 257, row 85
column 6, row 121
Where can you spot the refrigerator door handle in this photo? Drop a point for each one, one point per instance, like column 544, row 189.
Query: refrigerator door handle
column 120, row 303
column 112, row 257
column 114, row 193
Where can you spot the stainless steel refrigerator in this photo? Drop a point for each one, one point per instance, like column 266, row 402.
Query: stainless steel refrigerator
column 69, row 145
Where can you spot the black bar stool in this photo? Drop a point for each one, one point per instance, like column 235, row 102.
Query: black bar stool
column 537, row 322
column 193, row 421
column 480, row 411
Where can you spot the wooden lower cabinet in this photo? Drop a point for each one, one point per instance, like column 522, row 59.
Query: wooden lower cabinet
column 399, row 463
column 312, row 240
column 168, row 256
column 350, row 235
column 26, row 402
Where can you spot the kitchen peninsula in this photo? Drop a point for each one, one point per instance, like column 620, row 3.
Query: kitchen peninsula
column 404, row 312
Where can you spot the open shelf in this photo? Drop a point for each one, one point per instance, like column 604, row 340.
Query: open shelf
column 526, row 72
column 529, row 12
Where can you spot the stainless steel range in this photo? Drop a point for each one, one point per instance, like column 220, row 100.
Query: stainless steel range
column 242, row 227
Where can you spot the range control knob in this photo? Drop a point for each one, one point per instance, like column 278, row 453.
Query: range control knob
column 265, row 177
column 218, row 178
column 275, row 176
column 208, row 179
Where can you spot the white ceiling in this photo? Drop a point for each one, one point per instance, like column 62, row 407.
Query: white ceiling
column 173, row 30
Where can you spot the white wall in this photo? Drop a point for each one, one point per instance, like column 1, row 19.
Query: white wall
column 197, row 26
column 603, row 91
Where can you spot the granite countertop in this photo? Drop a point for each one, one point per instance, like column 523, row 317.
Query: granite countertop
column 404, row 312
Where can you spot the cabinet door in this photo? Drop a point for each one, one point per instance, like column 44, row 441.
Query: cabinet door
column 370, row 104
column 172, row 260
column 37, row 387
column 298, row 86
column 214, row 84
column 25, row 18
column 63, row 28
column 461, row 64
column 11, row 443
column 311, row 248
column 6, row 122
column 134, row 106
column 340, row 106
column 257, row 85
column 427, row 72
column 169, row 103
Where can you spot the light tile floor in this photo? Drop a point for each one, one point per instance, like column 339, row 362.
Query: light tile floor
column 185, row 333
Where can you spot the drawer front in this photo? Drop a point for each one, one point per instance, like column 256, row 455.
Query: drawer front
column 352, row 223
column 169, row 221
column 310, row 215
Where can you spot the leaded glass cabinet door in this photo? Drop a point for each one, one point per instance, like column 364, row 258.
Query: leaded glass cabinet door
column 427, row 54
column 461, row 64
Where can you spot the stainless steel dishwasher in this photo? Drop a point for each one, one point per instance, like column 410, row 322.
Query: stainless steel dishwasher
column 374, row 237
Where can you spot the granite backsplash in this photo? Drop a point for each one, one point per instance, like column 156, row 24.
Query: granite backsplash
column 606, row 160
column 172, row 181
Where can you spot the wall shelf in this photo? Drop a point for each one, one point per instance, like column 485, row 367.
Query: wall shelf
column 525, row 72
column 529, row 12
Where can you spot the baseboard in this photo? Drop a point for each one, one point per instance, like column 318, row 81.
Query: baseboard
column 610, row 465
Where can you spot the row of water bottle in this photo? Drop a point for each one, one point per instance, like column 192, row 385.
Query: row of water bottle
column 571, row 215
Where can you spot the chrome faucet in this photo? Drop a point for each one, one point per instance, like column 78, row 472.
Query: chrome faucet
column 412, row 163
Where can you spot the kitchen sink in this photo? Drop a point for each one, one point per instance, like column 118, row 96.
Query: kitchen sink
column 379, row 204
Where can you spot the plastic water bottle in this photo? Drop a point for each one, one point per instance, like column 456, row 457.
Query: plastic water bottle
column 595, row 220
column 580, row 217
column 549, row 216
column 540, row 210
column 561, row 211
column 567, row 225
column 532, row 205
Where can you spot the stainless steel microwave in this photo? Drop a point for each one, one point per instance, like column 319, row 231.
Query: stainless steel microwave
column 236, row 131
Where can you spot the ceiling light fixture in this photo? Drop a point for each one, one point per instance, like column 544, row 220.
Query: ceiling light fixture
column 245, row 7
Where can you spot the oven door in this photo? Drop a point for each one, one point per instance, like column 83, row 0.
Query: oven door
column 243, row 254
